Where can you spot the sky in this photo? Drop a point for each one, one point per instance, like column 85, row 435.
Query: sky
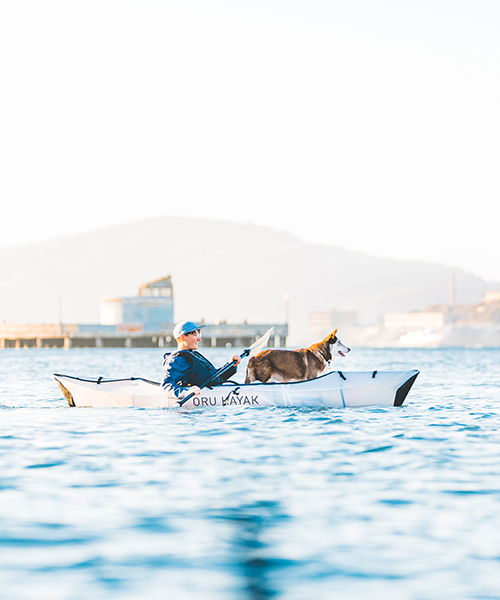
column 372, row 125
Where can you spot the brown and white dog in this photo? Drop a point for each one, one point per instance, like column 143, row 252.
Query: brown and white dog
column 295, row 365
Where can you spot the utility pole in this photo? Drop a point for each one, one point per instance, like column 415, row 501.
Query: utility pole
column 60, row 316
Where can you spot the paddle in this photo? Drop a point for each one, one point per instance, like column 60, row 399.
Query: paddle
column 256, row 347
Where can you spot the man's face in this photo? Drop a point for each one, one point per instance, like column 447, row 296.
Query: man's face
column 191, row 339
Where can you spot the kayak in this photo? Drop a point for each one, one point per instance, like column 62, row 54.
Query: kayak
column 335, row 389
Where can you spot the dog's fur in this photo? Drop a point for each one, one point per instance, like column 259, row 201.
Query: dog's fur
column 295, row 365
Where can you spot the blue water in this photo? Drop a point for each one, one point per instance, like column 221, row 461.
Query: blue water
column 235, row 503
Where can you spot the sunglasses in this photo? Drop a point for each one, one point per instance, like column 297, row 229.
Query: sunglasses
column 195, row 332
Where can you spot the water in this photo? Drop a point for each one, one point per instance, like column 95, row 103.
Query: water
column 235, row 503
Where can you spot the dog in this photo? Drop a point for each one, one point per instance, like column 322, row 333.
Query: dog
column 284, row 366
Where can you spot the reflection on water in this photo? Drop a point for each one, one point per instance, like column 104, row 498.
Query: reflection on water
column 252, row 555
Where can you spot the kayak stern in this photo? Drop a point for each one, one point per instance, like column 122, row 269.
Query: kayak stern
column 67, row 394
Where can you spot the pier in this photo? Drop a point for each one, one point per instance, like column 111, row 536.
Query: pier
column 67, row 336
column 141, row 321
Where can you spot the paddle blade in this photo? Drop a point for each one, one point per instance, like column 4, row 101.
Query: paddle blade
column 260, row 344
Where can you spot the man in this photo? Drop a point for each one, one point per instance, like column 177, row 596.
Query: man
column 185, row 370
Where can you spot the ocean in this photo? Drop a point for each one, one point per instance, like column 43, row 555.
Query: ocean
column 241, row 503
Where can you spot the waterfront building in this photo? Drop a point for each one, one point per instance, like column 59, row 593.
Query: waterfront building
column 152, row 309
column 413, row 321
column 327, row 320
column 490, row 297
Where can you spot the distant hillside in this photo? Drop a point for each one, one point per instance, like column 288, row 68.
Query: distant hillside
column 220, row 270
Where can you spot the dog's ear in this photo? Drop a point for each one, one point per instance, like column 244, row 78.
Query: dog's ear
column 333, row 335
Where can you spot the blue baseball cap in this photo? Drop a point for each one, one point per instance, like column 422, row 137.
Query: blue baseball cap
column 185, row 327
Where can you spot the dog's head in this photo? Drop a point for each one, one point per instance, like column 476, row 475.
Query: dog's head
column 336, row 346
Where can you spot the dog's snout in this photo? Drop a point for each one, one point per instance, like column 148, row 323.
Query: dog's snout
column 342, row 350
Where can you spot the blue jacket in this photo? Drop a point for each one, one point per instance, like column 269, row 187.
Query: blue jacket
column 184, row 368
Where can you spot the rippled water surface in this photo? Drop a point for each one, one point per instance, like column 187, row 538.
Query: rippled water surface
column 240, row 503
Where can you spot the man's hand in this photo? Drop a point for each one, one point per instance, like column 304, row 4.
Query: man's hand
column 194, row 389
column 236, row 359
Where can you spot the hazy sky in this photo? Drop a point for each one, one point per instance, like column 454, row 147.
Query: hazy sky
column 372, row 125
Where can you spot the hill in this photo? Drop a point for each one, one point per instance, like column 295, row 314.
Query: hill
column 220, row 270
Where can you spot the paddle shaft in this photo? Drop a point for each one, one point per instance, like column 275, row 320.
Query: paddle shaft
column 217, row 374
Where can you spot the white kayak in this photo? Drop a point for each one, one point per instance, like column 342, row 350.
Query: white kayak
column 335, row 389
